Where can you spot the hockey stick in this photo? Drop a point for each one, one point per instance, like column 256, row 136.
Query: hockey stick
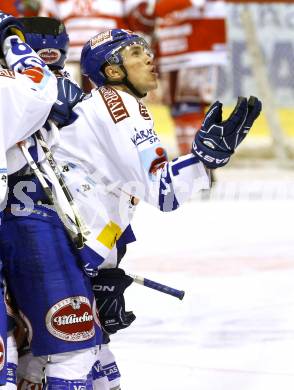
column 80, row 226
column 31, row 162
column 158, row 286
column 65, row 218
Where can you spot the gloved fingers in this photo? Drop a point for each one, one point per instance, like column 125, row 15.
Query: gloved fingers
column 213, row 116
column 237, row 118
column 126, row 318
column 254, row 109
column 129, row 318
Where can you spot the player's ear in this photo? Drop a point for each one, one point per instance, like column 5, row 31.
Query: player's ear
column 114, row 72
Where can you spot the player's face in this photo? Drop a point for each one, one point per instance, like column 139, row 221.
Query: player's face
column 140, row 67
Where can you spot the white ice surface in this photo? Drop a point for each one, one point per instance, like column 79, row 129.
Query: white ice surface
column 234, row 329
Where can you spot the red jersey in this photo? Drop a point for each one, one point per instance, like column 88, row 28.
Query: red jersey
column 194, row 36
column 85, row 18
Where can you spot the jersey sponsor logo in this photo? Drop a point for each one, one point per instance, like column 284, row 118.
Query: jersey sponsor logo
column 158, row 162
column 144, row 112
column 100, row 38
column 35, row 74
column 49, row 56
column 71, row 319
column 114, row 104
column 141, row 136
column 2, row 353
column 7, row 73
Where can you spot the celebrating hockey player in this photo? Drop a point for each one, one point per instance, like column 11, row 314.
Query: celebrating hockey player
column 27, row 92
column 120, row 159
column 114, row 161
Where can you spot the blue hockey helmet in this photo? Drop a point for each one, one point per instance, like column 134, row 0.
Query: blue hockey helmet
column 105, row 48
column 48, row 37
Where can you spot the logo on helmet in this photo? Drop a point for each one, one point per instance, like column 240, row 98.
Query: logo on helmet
column 49, row 56
column 101, row 38
column 71, row 319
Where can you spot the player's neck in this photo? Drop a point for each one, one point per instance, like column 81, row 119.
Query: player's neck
column 123, row 88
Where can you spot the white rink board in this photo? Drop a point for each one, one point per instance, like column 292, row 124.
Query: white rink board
column 235, row 327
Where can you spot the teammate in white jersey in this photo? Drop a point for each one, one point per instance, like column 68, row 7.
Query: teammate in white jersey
column 119, row 158
column 49, row 38
column 52, row 294
column 27, row 92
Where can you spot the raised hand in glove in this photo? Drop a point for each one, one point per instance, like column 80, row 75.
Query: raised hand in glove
column 108, row 287
column 9, row 25
column 217, row 140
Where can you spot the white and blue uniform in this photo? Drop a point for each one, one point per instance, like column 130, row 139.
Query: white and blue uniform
column 26, row 97
column 110, row 156
column 42, row 269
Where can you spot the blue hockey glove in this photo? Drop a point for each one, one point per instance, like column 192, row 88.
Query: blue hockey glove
column 9, row 25
column 69, row 94
column 108, row 287
column 217, row 140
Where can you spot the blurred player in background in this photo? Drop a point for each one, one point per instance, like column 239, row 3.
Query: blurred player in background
column 83, row 19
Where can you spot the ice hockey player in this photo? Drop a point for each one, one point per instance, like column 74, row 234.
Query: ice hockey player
column 120, row 159
column 54, row 297
column 49, row 39
column 25, row 83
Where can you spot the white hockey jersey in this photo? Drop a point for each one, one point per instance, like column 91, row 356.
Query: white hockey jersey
column 111, row 157
column 26, row 99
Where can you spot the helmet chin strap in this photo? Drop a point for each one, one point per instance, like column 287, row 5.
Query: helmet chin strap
column 128, row 84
